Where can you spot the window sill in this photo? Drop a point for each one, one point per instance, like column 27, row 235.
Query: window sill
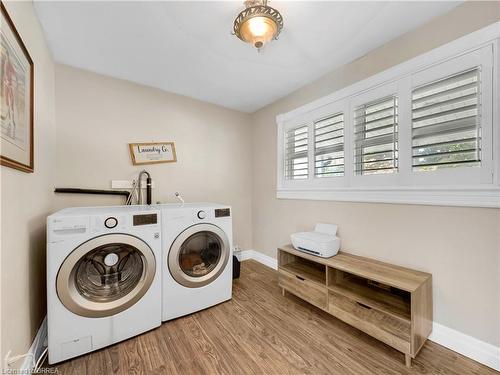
column 436, row 196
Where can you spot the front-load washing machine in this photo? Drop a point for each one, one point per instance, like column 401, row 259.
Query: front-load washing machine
column 103, row 277
column 197, row 257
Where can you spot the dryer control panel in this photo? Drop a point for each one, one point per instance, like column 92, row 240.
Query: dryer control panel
column 222, row 212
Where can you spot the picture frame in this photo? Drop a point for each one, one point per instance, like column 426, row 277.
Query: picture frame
column 152, row 153
column 17, row 98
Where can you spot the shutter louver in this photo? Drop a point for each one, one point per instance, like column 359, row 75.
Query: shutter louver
column 445, row 123
column 376, row 137
column 329, row 146
column 296, row 157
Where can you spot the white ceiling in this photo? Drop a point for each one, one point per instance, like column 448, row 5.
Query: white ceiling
column 187, row 47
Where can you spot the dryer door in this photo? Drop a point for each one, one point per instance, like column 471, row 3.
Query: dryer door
column 106, row 275
column 198, row 255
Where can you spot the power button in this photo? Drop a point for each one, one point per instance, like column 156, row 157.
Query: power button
column 110, row 222
column 202, row 215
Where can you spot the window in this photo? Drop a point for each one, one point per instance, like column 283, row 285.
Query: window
column 421, row 132
column 296, row 155
column 445, row 123
column 376, row 137
column 329, row 146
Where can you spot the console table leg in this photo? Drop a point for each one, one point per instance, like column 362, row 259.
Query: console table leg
column 408, row 360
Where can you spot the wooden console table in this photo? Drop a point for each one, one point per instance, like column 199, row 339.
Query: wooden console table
column 391, row 303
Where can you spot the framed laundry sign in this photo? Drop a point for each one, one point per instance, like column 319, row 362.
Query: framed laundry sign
column 152, row 153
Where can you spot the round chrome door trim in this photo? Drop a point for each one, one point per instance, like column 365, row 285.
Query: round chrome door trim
column 173, row 256
column 65, row 281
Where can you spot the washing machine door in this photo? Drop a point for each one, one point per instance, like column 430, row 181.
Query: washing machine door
column 198, row 255
column 106, row 275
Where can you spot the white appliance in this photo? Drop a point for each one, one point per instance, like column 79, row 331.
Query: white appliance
column 322, row 241
column 103, row 277
column 197, row 257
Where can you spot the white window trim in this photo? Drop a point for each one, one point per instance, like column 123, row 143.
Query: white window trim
column 480, row 195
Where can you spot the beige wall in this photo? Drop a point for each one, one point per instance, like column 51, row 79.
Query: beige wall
column 459, row 246
column 98, row 116
column 26, row 200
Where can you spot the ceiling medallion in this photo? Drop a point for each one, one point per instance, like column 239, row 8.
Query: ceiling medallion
column 258, row 23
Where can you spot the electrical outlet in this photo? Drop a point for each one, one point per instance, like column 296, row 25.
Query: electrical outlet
column 121, row 184
column 127, row 184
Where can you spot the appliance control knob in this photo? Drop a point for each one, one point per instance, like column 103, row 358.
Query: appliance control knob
column 110, row 222
column 202, row 215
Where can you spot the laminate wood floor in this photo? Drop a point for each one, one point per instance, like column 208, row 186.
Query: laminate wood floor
column 261, row 332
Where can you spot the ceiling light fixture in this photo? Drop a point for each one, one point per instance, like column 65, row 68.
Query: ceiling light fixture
column 258, row 23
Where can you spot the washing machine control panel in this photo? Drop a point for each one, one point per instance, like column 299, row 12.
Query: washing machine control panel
column 202, row 215
column 145, row 219
column 111, row 222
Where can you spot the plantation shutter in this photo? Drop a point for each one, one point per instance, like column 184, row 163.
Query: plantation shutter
column 445, row 122
column 296, row 158
column 376, row 137
column 329, row 146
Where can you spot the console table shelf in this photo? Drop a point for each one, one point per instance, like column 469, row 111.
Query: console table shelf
column 309, row 272
column 390, row 303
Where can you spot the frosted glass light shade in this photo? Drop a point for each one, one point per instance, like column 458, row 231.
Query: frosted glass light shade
column 258, row 30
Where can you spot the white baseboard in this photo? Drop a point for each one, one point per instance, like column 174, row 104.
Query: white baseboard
column 466, row 345
column 480, row 351
column 36, row 349
column 259, row 257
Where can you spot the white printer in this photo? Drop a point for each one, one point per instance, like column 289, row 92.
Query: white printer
column 322, row 241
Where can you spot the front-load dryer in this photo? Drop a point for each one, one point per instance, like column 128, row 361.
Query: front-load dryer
column 197, row 257
column 103, row 277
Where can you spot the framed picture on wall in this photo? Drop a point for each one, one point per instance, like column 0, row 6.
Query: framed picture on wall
column 152, row 153
column 16, row 95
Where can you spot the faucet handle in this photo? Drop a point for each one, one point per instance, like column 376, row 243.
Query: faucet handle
column 179, row 197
